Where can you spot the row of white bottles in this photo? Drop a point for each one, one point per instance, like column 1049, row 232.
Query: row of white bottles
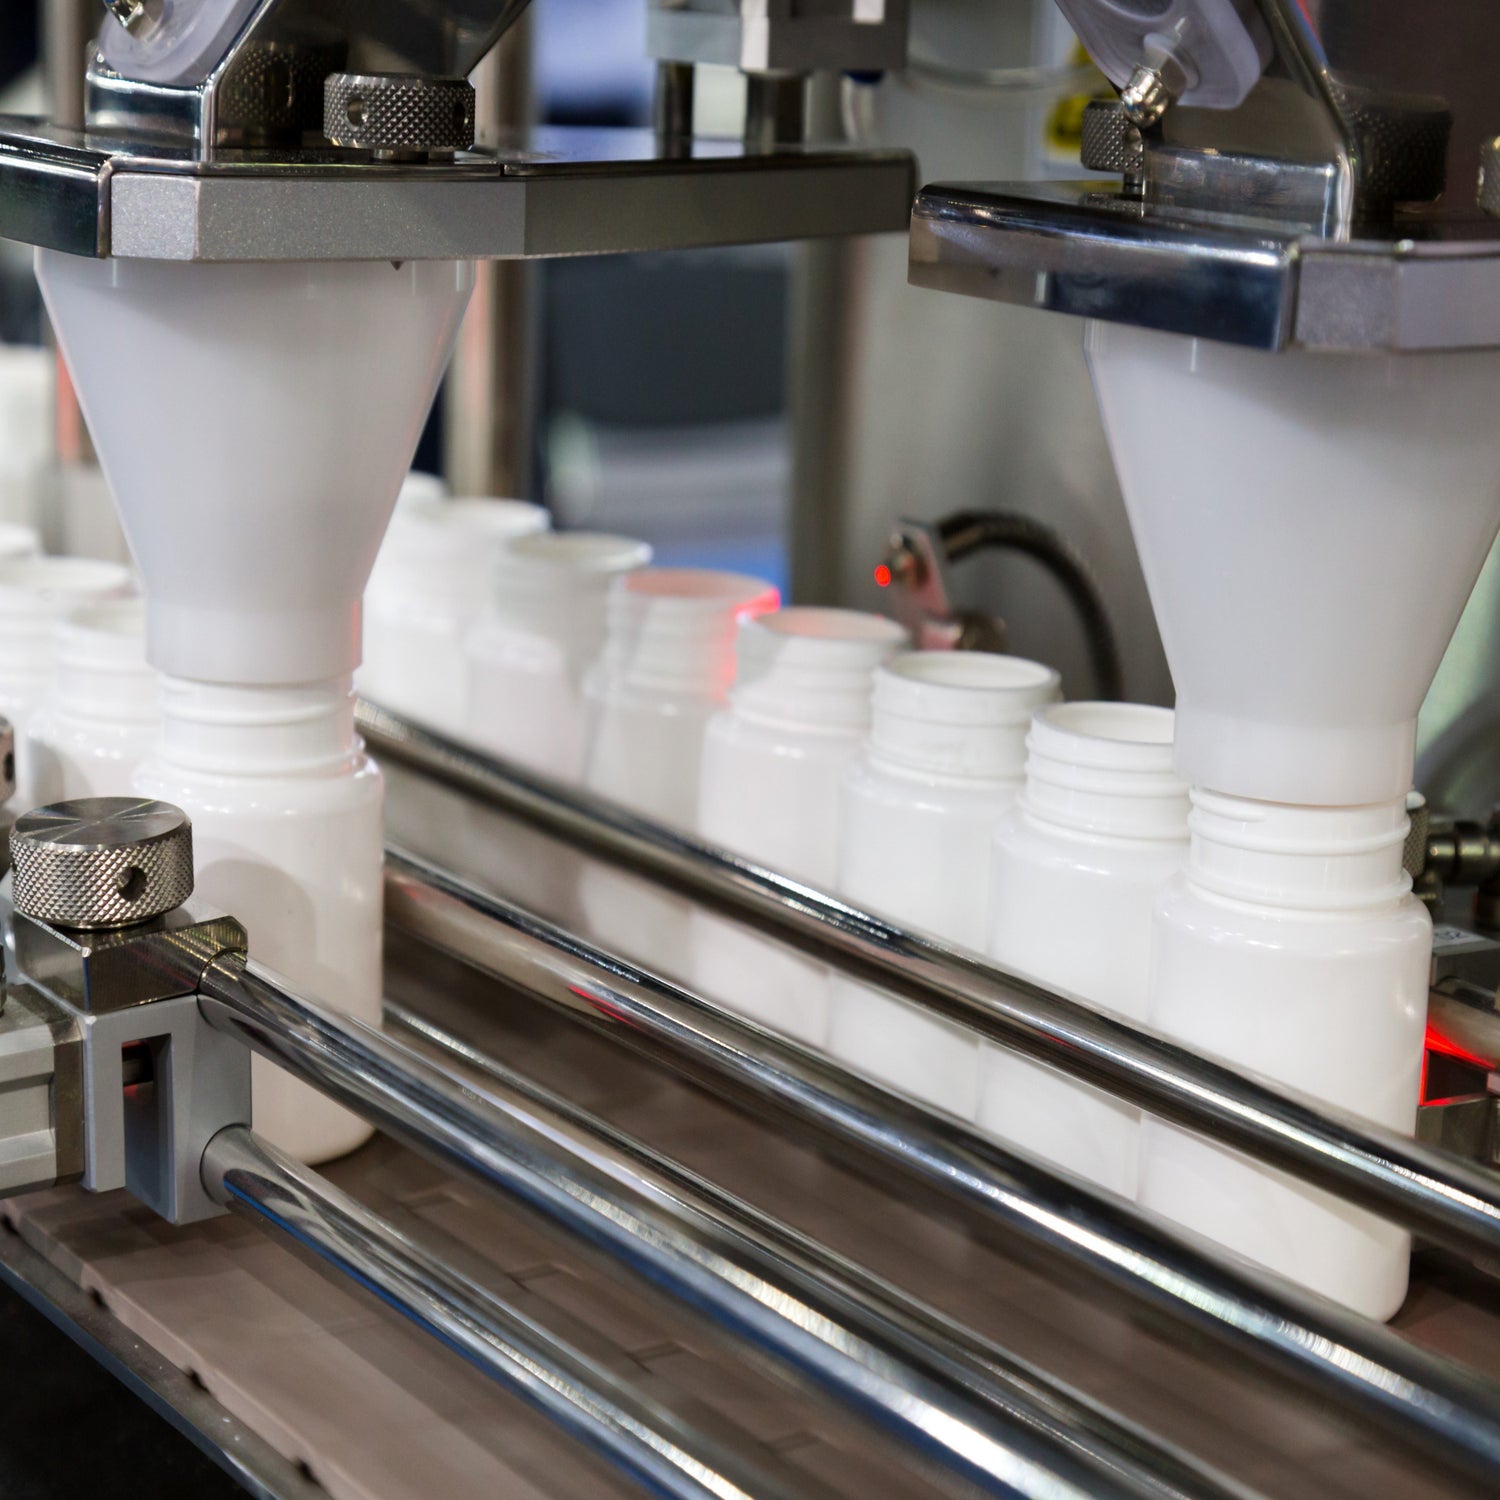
column 528, row 654
column 773, row 763
column 1097, row 832
column 943, row 764
column 433, row 579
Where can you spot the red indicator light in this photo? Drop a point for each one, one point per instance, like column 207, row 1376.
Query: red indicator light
column 883, row 577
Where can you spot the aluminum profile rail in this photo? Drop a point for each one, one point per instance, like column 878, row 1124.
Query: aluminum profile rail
column 1429, row 1191
column 933, row 1400
column 603, row 1409
column 1337, row 1358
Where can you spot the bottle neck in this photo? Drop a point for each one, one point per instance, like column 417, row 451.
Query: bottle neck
column 1105, row 769
column 37, row 593
column 957, row 714
column 259, row 731
column 572, row 615
column 125, row 694
column 679, row 642
column 102, row 676
column 1298, row 858
column 811, row 668
column 440, row 555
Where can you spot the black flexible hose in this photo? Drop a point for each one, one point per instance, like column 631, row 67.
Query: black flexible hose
column 969, row 531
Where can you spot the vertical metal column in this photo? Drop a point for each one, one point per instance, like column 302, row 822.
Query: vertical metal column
column 490, row 400
column 672, row 109
column 824, row 276
column 67, row 29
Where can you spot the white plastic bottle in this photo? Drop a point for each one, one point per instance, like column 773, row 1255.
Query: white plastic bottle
column 945, row 759
column 432, row 581
column 1099, row 828
column 666, row 669
column 544, row 628
column 1291, row 947
column 288, row 833
column 102, row 717
column 772, row 765
column 35, row 592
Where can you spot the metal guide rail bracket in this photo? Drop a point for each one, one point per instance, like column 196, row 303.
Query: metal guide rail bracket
column 117, row 1080
column 557, row 192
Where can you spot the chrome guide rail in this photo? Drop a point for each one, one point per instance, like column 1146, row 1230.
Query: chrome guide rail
column 1372, row 1374
column 1440, row 1196
column 602, row 1408
column 926, row 1337
column 510, row 1148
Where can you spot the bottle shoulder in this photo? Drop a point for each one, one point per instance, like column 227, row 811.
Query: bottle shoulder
column 1216, row 918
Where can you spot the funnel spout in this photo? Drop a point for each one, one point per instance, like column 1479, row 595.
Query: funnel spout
column 255, row 422
column 1310, row 526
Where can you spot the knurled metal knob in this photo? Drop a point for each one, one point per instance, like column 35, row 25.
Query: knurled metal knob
column 102, row 862
column 398, row 113
column 1111, row 140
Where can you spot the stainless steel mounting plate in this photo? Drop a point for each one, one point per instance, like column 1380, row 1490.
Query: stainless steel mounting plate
column 1434, row 283
column 554, row 192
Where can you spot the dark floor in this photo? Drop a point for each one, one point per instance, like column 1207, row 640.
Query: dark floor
column 70, row 1431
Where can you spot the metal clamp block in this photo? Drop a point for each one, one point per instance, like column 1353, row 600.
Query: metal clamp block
column 157, row 1083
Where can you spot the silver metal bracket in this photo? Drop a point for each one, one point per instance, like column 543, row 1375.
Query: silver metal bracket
column 554, row 192
column 154, row 1083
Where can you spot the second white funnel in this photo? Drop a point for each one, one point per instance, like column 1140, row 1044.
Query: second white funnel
column 1310, row 526
column 255, row 423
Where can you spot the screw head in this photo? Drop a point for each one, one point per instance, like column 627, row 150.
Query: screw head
column 129, row 13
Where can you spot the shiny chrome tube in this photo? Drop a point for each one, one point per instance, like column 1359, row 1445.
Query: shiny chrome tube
column 1336, row 1357
column 926, row 1337
column 937, row 1401
column 1445, row 1199
column 603, row 1409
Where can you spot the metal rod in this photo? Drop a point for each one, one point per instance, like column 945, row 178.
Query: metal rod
column 490, row 395
column 775, row 109
column 542, row 1161
column 1447, row 1200
column 1338, row 1358
column 926, row 1337
column 672, row 108
column 579, row 1393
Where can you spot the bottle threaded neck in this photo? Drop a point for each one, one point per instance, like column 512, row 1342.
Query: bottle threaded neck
column 1105, row 769
column 220, row 729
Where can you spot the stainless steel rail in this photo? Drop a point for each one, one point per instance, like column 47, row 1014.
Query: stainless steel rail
column 641, row 1437
column 755, row 1291
column 1429, row 1191
column 926, row 1337
column 1339, row 1359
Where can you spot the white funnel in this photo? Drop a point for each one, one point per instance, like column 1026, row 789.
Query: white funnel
column 1310, row 526
column 255, row 423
